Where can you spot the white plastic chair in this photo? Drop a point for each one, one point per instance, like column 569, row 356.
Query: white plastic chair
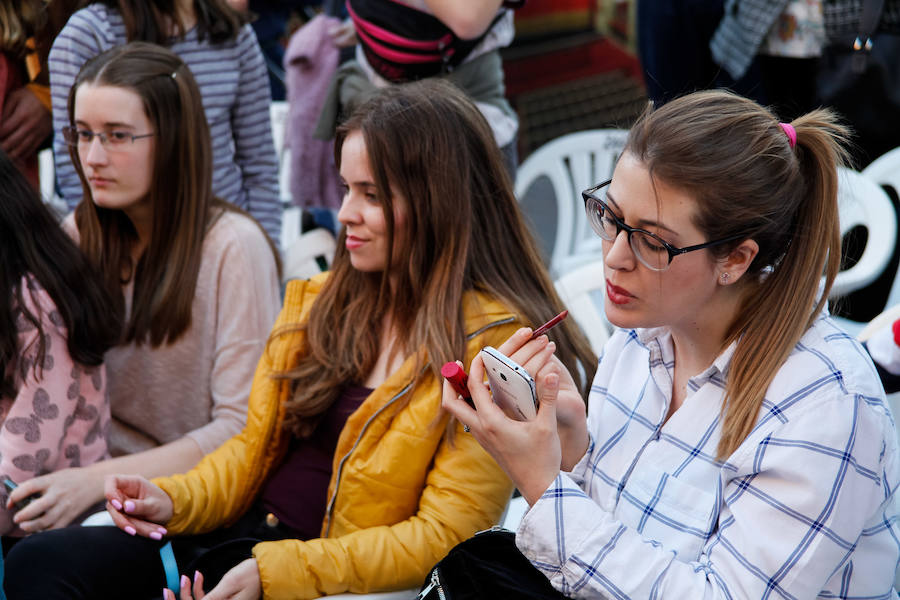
column 290, row 221
column 47, row 181
column 572, row 163
column 885, row 171
column 576, row 290
column 862, row 202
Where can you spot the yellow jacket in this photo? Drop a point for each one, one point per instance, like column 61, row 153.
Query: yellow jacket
column 400, row 496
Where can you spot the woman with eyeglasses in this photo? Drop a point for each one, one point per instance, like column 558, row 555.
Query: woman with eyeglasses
column 55, row 325
column 221, row 50
column 194, row 280
column 348, row 475
column 738, row 443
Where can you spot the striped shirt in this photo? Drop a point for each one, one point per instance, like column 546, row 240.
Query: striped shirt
column 804, row 508
column 234, row 84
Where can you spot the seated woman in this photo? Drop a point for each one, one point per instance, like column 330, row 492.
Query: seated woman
column 348, row 475
column 194, row 279
column 224, row 56
column 56, row 321
column 738, row 444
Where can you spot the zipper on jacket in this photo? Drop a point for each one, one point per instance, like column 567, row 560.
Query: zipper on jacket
column 433, row 584
column 337, row 481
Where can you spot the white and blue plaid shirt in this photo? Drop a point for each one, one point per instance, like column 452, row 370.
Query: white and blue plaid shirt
column 804, row 508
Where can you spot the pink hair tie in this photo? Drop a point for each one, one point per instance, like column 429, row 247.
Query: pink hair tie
column 791, row 133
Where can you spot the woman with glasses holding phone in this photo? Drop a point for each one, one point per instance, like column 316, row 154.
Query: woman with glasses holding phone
column 194, row 280
column 737, row 443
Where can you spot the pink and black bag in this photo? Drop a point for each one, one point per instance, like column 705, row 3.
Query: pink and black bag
column 405, row 44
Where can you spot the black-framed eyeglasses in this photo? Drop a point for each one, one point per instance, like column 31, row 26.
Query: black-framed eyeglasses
column 75, row 136
column 654, row 252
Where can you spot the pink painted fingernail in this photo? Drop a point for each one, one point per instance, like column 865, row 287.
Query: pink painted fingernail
column 196, row 576
column 130, row 530
column 129, row 506
column 116, row 504
column 166, row 592
column 162, row 530
column 185, row 581
column 156, row 535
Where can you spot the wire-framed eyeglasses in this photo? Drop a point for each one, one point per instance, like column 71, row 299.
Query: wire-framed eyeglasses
column 75, row 136
column 651, row 250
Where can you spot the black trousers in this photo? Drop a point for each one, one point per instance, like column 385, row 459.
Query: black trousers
column 105, row 562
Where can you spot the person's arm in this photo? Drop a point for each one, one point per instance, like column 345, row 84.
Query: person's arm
column 246, row 300
column 248, row 297
column 467, row 19
column 465, row 491
column 252, row 130
column 24, row 124
column 78, row 41
column 66, row 494
column 811, row 489
column 56, row 420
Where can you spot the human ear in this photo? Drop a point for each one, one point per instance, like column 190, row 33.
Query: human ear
column 733, row 266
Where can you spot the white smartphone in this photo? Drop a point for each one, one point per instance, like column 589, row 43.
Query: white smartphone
column 512, row 387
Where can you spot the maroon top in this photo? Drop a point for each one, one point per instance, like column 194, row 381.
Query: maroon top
column 296, row 490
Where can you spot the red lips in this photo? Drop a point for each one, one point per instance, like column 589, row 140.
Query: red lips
column 616, row 294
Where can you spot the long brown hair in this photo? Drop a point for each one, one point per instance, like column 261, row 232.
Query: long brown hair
column 464, row 231
column 184, row 208
column 736, row 160
column 33, row 244
column 151, row 20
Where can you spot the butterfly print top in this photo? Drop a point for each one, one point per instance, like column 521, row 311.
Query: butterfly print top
column 59, row 417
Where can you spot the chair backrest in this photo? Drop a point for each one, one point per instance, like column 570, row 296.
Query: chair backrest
column 862, row 202
column 290, row 222
column 885, row 171
column 576, row 290
column 572, row 163
column 278, row 112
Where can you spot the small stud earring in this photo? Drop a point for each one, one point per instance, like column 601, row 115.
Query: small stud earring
column 725, row 277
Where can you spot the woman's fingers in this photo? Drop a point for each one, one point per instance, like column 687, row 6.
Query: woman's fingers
column 198, row 585
column 547, row 395
column 539, row 360
column 37, row 507
column 32, row 523
column 185, row 587
column 30, row 487
column 453, row 403
column 515, row 341
column 135, row 526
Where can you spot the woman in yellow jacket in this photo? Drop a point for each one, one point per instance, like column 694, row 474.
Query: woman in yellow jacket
column 348, row 475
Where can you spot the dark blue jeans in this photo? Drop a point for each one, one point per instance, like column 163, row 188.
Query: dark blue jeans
column 673, row 46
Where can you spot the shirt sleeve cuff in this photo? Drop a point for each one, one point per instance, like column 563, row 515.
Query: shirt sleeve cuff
column 553, row 524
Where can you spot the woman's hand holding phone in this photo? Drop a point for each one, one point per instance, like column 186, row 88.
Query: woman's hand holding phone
column 531, row 451
column 571, row 409
column 137, row 506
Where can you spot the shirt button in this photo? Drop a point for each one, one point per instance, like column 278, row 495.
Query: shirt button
column 271, row 520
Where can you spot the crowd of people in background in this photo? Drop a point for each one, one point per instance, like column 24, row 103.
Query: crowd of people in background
column 241, row 438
